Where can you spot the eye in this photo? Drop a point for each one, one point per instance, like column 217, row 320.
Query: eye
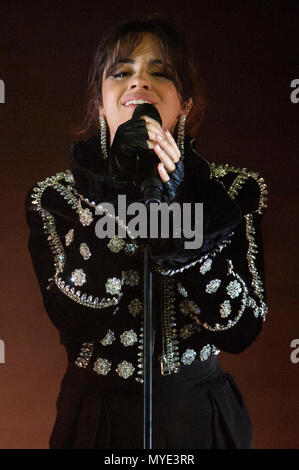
column 163, row 74
column 160, row 74
column 120, row 74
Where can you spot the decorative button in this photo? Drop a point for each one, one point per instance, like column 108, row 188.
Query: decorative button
column 225, row 309
column 116, row 244
column 182, row 290
column 234, row 289
column 188, row 357
column 206, row 266
column 188, row 306
column 85, row 215
column 205, row 353
column 108, row 339
column 125, row 369
column 84, row 251
column 130, row 249
column 130, row 277
column 113, row 285
column 78, row 277
column 102, row 366
column 213, row 286
column 186, row 331
column 128, row 338
column 69, row 237
column 135, row 307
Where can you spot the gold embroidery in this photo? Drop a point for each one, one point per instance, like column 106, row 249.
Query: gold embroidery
column 243, row 174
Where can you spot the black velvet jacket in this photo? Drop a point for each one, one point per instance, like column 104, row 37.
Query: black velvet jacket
column 204, row 300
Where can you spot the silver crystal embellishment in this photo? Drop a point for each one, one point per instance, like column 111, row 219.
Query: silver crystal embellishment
column 85, row 215
column 113, row 285
column 130, row 277
column 206, row 266
column 188, row 306
column 78, row 277
column 84, row 251
column 188, row 357
column 116, row 244
column 205, row 352
column 225, row 309
column 213, row 286
column 128, row 338
column 233, row 289
column 102, row 366
column 186, row 331
column 130, row 249
column 108, row 339
column 125, row 369
column 135, row 307
column 69, row 237
column 182, row 290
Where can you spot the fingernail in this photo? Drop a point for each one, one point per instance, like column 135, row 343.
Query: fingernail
column 159, row 148
column 168, row 133
column 160, row 137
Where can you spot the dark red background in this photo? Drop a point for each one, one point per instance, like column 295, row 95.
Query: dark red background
column 248, row 55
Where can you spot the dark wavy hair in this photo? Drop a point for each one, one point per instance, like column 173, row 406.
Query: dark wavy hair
column 121, row 42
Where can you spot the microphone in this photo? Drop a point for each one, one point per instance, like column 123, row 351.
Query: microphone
column 152, row 186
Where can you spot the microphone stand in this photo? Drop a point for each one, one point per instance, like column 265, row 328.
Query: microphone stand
column 152, row 190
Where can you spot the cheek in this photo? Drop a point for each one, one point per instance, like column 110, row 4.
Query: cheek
column 171, row 109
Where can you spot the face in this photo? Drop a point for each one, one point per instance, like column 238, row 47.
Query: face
column 141, row 76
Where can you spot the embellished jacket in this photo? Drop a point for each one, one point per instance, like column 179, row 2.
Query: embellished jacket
column 204, row 300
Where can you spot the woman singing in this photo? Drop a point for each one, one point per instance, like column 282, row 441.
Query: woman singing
column 205, row 299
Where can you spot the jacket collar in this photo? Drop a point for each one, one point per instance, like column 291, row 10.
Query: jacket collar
column 92, row 176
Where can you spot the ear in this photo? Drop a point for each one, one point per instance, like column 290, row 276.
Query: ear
column 101, row 110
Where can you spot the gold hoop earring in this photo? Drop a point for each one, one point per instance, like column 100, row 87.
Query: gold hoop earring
column 103, row 134
column 181, row 134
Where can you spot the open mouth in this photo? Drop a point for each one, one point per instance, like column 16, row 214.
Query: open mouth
column 135, row 103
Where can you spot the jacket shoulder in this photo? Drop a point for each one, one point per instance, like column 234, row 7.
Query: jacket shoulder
column 247, row 187
column 34, row 194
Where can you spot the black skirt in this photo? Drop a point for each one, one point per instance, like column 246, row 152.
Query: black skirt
column 199, row 408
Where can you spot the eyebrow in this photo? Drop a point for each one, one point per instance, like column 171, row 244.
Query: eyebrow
column 127, row 60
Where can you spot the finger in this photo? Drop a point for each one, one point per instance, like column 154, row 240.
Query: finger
column 170, row 139
column 152, row 130
column 169, row 147
column 150, row 144
column 163, row 173
column 152, row 121
column 166, row 141
column 165, row 159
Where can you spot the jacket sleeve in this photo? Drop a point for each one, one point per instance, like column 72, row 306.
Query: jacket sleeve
column 224, row 293
column 74, row 321
column 213, row 223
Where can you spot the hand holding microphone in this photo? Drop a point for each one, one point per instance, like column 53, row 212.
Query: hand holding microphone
column 141, row 149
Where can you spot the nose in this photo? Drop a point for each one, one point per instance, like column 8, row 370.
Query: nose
column 140, row 82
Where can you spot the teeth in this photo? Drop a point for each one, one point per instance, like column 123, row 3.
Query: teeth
column 136, row 102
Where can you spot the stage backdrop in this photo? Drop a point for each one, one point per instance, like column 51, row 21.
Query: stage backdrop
column 248, row 56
